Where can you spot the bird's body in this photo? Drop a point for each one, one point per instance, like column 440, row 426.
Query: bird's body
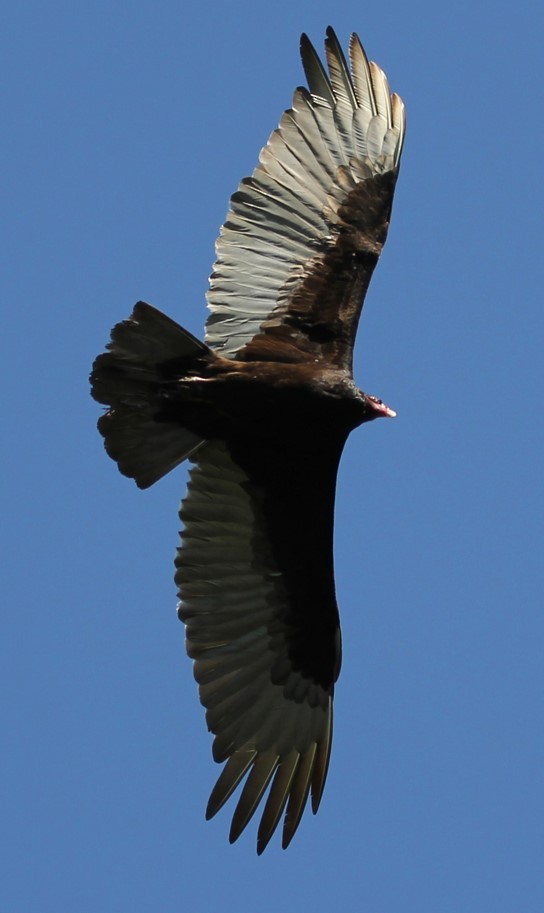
column 264, row 400
column 263, row 409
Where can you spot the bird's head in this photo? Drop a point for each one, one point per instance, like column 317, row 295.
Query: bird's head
column 375, row 408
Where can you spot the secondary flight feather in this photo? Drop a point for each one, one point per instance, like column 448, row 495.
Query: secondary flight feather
column 263, row 408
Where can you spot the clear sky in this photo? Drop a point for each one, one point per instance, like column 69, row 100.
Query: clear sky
column 127, row 127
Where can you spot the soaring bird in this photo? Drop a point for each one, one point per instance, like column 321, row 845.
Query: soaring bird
column 263, row 409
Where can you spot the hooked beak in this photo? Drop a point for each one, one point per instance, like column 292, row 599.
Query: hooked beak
column 380, row 408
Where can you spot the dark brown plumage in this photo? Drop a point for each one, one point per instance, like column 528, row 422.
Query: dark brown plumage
column 263, row 410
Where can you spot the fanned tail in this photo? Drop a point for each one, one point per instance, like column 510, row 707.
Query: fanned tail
column 144, row 351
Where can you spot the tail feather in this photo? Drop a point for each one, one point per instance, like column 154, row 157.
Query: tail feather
column 128, row 379
column 149, row 335
column 145, row 450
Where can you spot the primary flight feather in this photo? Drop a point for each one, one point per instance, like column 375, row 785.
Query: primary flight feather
column 263, row 409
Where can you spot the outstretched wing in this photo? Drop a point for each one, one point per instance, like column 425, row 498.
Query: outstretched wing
column 256, row 583
column 305, row 231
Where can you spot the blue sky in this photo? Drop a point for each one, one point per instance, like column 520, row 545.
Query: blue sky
column 126, row 129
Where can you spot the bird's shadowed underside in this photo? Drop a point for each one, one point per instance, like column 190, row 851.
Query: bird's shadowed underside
column 263, row 408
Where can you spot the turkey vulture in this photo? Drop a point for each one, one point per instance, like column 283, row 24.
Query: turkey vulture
column 263, row 409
